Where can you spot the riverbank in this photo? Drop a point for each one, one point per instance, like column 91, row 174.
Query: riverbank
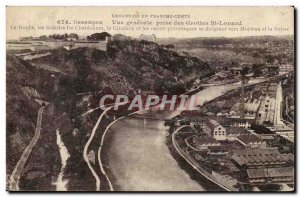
column 61, row 182
column 139, row 158
column 139, row 150
column 184, row 165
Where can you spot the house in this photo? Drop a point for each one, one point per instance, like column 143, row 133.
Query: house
column 251, row 158
column 234, row 132
column 150, row 38
column 225, row 179
column 242, row 123
column 102, row 45
column 273, row 69
column 274, row 175
column 203, row 143
column 286, row 68
column 251, row 141
column 251, row 107
column 72, row 37
column 36, row 48
column 234, row 122
column 215, row 129
column 182, row 122
column 236, row 70
column 121, row 37
column 69, row 47
column 217, row 150
column 266, row 110
column 197, row 121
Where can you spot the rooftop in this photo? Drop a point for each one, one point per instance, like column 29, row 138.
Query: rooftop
column 205, row 141
column 212, row 123
column 248, row 152
column 236, row 130
column 247, row 139
column 260, row 157
column 270, row 172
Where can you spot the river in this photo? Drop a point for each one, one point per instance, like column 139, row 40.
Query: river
column 61, row 184
column 139, row 158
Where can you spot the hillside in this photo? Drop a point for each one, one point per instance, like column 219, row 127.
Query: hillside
column 61, row 78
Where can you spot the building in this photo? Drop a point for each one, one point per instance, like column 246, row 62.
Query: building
column 121, row 37
column 242, row 123
column 251, row 141
column 30, row 38
column 203, row 143
column 53, row 44
column 284, row 131
column 69, row 47
column 251, row 107
column 197, row 121
column 234, row 122
column 150, row 38
column 286, row 68
column 217, row 150
column 223, row 128
column 215, row 129
column 234, row 132
column 236, row 70
column 72, row 37
column 36, row 48
column 266, row 110
column 273, row 69
column 225, row 180
column 102, row 45
column 255, row 158
column 182, row 122
column 271, row 175
column 192, row 118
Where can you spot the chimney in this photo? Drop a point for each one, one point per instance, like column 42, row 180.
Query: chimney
column 242, row 105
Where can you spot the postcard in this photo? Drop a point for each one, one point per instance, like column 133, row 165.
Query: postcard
column 150, row 99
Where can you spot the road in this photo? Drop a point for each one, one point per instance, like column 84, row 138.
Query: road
column 86, row 147
column 15, row 176
column 278, row 105
column 85, row 150
column 175, row 144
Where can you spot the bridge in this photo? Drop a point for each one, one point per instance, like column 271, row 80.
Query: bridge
column 115, row 114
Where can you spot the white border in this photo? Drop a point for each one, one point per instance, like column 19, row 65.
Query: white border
column 112, row 3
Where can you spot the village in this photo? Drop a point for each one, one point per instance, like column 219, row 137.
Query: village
column 241, row 141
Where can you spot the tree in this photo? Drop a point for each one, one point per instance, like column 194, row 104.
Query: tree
column 72, row 35
column 98, row 36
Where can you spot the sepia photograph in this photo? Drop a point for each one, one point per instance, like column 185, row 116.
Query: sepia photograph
column 150, row 99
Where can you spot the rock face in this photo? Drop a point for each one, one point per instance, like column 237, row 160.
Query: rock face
column 152, row 67
column 72, row 81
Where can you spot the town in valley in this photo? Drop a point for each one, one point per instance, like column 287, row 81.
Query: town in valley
column 240, row 136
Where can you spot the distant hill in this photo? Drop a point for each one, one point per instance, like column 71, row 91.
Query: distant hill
column 127, row 64
column 208, row 41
